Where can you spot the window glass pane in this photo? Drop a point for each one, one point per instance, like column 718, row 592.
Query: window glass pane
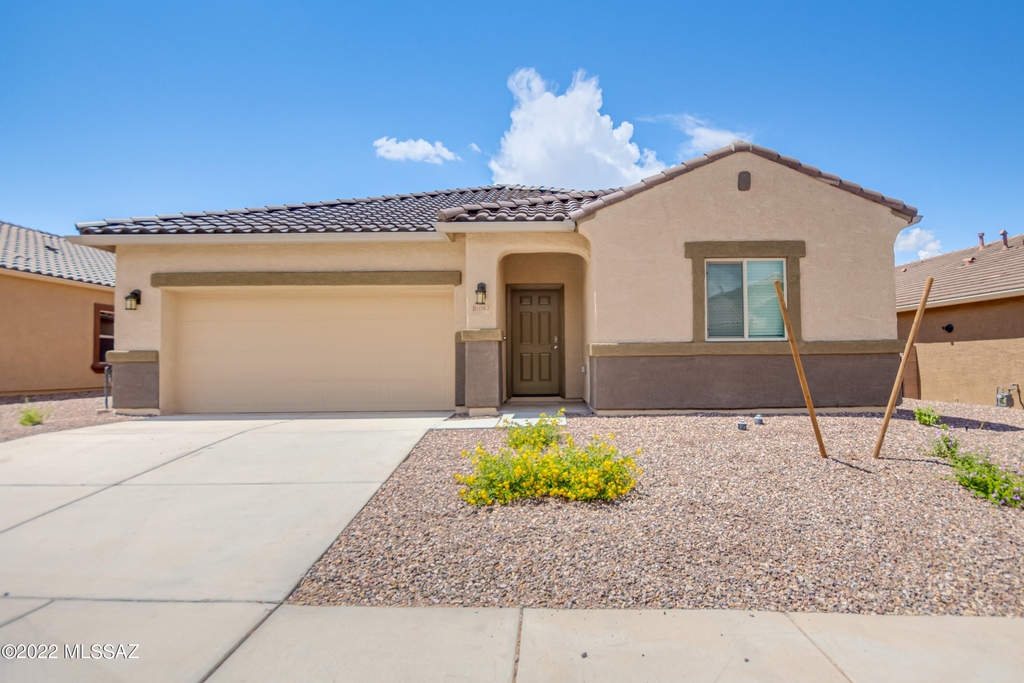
column 764, row 318
column 725, row 299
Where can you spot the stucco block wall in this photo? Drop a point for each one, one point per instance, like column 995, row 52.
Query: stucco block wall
column 46, row 340
column 984, row 351
column 969, row 372
column 642, row 280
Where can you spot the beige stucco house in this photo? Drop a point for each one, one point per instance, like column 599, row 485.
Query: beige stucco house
column 657, row 296
column 56, row 304
column 970, row 347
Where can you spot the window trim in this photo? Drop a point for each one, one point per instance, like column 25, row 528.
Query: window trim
column 99, row 365
column 790, row 250
column 746, row 321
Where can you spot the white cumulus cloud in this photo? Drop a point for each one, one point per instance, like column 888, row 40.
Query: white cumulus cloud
column 565, row 141
column 474, row 147
column 704, row 137
column 413, row 150
column 920, row 240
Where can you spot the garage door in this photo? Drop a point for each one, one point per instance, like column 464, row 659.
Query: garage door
column 315, row 349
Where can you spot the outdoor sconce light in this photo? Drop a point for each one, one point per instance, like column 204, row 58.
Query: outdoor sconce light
column 481, row 294
column 948, row 327
column 132, row 301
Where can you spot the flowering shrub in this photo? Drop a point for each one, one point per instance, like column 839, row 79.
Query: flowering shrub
column 543, row 460
column 995, row 483
column 926, row 416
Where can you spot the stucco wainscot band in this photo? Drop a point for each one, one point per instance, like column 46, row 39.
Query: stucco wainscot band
column 739, row 375
column 311, row 279
column 479, row 369
column 136, row 376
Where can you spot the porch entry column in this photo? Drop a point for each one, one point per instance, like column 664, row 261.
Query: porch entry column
column 480, row 342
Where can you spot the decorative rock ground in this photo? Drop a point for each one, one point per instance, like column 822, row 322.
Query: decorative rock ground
column 722, row 518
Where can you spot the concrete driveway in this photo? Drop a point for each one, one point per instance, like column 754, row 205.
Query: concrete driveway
column 179, row 535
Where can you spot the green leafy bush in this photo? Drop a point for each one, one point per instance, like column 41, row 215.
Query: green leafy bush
column 926, row 416
column 32, row 417
column 542, row 460
column 995, row 483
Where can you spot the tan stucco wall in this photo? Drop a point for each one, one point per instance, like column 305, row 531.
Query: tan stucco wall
column 553, row 269
column 970, row 371
column 46, row 339
column 985, row 350
column 995, row 319
column 641, row 281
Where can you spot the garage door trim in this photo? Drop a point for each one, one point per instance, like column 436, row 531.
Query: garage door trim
column 311, row 278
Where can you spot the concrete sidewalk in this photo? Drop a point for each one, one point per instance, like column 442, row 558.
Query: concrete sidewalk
column 617, row 646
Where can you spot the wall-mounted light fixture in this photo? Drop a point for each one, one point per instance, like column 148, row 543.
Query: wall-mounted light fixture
column 132, row 301
column 481, row 294
column 948, row 327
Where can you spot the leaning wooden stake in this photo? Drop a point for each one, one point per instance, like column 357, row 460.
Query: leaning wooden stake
column 903, row 366
column 799, row 368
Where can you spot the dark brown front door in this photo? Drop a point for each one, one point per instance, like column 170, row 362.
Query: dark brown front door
column 535, row 329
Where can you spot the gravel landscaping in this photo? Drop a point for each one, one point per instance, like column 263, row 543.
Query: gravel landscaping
column 720, row 519
column 67, row 411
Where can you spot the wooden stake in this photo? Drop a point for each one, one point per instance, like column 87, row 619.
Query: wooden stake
column 799, row 368
column 903, row 366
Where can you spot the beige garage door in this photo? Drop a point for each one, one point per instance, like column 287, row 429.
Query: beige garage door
column 315, row 349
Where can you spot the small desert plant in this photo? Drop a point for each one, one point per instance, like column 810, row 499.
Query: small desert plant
column 32, row 417
column 543, row 433
column 995, row 483
column 926, row 416
column 543, row 460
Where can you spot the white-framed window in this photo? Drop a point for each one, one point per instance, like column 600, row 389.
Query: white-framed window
column 740, row 301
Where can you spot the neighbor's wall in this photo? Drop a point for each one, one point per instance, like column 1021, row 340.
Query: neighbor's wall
column 567, row 270
column 46, row 340
column 985, row 351
column 641, row 290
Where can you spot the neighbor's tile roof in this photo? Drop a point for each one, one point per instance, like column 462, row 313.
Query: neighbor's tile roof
column 394, row 213
column 993, row 269
column 32, row 251
column 567, row 205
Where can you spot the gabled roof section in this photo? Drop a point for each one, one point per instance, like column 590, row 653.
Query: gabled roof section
column 964, row 274
column 392, row 213
column 569, row 206
column 40, row 253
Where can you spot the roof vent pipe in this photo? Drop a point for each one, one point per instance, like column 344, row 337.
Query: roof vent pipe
column 981, row 240
column 1006, row 242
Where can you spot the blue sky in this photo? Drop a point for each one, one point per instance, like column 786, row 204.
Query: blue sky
column 127, row 109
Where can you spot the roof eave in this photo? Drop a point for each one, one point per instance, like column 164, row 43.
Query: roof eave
column 989, row 296
column 108, row 242
column 456, row 227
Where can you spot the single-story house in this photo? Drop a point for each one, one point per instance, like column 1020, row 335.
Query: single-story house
column 57, row 307
column 656, row 296
column 970, row 347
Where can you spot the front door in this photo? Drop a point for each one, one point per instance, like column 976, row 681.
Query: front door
column 536, row 370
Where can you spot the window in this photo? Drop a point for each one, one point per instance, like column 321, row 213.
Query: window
column 741, row 301
column 103, row 335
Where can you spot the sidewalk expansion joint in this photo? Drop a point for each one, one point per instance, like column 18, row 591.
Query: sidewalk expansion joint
column 817, row 647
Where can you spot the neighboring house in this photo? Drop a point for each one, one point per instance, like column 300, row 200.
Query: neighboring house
column 657, row 296
column 56, row 304
column 971, row 342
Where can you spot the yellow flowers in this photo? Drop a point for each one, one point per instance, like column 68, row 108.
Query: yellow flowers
column 537, row 463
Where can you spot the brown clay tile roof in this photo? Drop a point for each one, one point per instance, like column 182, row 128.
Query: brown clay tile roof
column 33, row 251
column 393, row 213
column 993, row 270
column 564, row 205
column 417, row 212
